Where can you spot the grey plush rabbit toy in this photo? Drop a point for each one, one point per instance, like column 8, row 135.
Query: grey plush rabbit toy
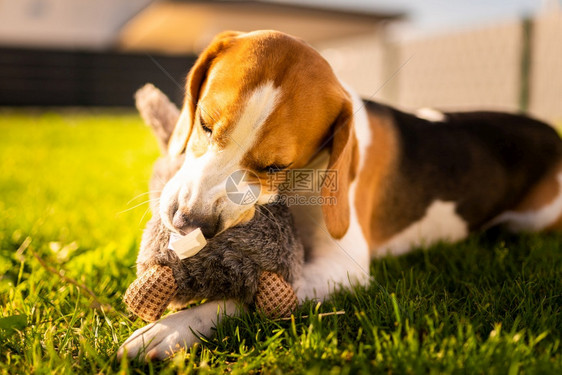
column 254, row 263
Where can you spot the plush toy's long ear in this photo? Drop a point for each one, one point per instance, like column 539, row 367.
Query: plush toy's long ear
column 195, row 79
column 342, row 165
column 158, row 112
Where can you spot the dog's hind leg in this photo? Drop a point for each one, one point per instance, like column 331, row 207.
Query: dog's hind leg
column 541, row 209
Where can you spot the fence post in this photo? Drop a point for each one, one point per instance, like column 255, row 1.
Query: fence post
column 525, row 64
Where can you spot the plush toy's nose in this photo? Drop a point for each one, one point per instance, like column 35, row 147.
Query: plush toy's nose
column 186, row 223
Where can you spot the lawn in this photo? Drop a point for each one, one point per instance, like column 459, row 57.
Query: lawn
column 71, row 195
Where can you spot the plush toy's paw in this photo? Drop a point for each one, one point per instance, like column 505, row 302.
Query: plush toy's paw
column 275, row 297
column 161, row 339
column 148, row 296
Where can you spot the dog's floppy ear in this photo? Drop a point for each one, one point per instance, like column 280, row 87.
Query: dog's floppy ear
column 342, row 166
column 195, row 79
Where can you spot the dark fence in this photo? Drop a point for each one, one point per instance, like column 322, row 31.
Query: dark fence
column 79, row 78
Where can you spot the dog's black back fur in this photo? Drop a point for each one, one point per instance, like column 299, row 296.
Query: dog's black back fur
column 485, row 162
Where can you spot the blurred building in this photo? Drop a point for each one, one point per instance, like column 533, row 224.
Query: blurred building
column 98, row 52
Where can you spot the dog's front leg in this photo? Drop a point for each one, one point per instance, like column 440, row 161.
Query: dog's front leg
column 161, row 339
column 332, row 263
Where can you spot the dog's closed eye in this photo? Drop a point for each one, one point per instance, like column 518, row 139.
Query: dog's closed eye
column 205, row 127
column 273, row 168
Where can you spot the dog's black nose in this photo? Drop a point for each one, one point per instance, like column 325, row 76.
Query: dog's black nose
column 185, row 223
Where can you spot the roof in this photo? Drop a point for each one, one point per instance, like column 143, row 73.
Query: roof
column 342, row 10
column 186, row 26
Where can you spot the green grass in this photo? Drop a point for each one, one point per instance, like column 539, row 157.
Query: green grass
column 491, row 304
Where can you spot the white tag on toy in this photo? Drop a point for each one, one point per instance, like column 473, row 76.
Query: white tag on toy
column 188, row 245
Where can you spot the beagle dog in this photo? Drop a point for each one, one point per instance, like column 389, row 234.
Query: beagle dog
column 268, row 103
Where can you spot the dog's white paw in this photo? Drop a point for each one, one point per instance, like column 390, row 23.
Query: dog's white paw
column 183, row 329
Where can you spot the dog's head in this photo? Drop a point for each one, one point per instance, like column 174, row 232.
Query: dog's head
column 260, row 102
